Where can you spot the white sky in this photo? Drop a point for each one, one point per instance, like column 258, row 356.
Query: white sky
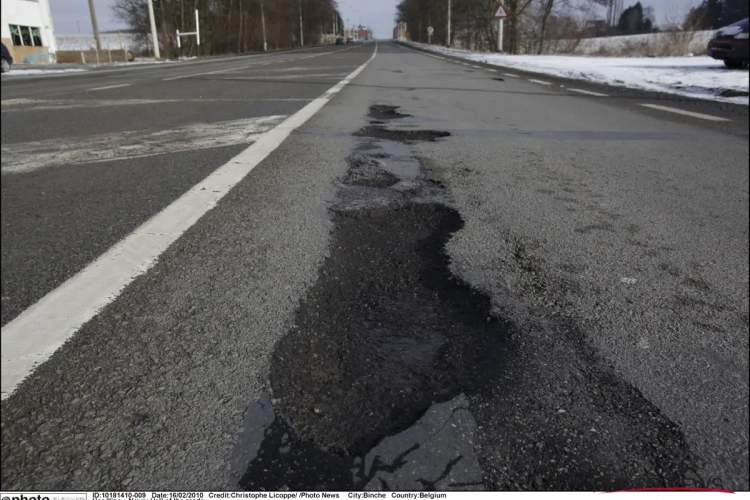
column 70, row 16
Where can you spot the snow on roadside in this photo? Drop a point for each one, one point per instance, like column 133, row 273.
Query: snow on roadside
column 15, row 71
column 700, row 77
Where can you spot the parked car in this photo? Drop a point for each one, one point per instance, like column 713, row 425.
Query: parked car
column 350, row 40
column 7, row 59
column 340, row 40
column 730, row 44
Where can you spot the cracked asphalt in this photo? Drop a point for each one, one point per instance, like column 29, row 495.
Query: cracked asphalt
column 441, row 281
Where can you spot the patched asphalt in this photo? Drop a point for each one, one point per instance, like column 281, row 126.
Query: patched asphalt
column 488, row 288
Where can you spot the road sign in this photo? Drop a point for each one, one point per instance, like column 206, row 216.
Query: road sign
column 501, row 12
column 430, row 30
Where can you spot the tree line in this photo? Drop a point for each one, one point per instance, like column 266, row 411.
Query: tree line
column 714, row 14
column 533, row 23
column 231, row 26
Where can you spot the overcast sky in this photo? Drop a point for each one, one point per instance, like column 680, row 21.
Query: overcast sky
column 72, row 16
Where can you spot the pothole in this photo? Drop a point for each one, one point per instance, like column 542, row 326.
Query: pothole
column 385, row 112
column 365, row 171
column 405, row 136
column 391, row 358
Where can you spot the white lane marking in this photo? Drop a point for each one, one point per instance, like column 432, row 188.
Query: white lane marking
column 210, row 72
column 541, row 82
column 511, row 75
column 28, row 156
column 111, row 87
column 34, row 335
column 588, row 92
column 478, row 67
column 284, row 77
column 250, row 66
column 465, row 64
column 492, row 70
column 686, row 113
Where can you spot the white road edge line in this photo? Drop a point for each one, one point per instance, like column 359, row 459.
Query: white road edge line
column 588, row 92
column 34, row 335
column 511, row 75
column 110, row 87
column 541, row 82
column 686, row 113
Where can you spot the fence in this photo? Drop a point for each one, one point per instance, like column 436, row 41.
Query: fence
column 90, row 56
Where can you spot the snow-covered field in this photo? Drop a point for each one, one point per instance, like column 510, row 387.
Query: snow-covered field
column 109, row 41
column 700, row 76
column 15, row 71
column 650, row 44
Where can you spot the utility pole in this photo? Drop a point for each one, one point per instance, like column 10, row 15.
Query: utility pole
column 448, row 36
column 154, row 39
column 263, row 26
column 301, row 31
column 95, row 26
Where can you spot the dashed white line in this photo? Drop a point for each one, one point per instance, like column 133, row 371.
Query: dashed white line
column 511, row 75
column 540, row 82
column 588, row 92
column 478, row 67
column 492, row 70
column 34, row 335
column 686, row 113
column 210, row 72
column 110, row 87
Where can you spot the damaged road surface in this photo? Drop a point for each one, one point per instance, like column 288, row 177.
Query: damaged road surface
column 441, row 281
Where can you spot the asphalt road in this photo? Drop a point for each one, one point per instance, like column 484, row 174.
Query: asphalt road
column 445, row 279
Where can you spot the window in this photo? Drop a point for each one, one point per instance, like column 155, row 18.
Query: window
column 25, row 35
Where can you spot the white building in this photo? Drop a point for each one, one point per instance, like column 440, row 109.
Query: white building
column 27, row 30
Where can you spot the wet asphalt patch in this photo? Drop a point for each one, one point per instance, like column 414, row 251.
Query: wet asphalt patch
column 397, row 375
column 385, row 112
column 405, row 136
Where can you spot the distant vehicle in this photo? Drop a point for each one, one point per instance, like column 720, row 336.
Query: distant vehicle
column 340, row 40
column 7, row 59
column 350, row 40
column 730, row 44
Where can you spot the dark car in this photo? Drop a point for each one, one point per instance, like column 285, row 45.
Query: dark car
column 350, row 40
column 7, row 58
column 730, row 44
column 340, row 40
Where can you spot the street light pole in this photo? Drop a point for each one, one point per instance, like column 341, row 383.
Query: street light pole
column 301, row 32
column 95, row 26
column 448, row 37
column 263, row 26
column 154, row 40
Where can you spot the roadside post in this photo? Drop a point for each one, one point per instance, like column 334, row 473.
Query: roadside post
column 197, row 34
column 500, row 14
column 430, row 31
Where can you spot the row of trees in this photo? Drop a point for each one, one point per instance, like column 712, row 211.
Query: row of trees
column 533, row 23
column 713, row 14
column 231, row 26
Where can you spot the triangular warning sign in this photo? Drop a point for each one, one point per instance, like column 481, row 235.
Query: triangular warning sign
column 500, row 13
